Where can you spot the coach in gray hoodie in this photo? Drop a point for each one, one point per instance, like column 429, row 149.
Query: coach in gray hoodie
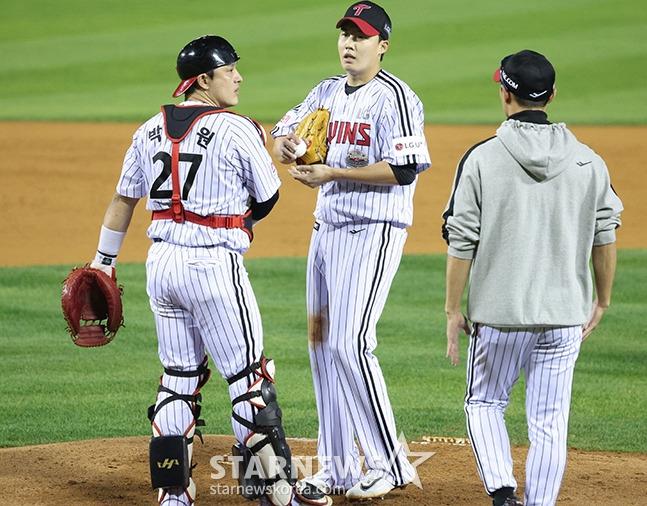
column 529, row 208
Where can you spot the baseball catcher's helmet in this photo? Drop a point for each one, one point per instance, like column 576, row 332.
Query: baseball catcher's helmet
column 202, row 55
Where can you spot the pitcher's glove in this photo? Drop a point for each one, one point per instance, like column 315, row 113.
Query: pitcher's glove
column 91, row 302
column 313, row 129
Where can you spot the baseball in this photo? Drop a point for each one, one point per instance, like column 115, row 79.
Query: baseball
column 300, row 149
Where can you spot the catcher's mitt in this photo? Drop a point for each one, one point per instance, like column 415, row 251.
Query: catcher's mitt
column 313, row 129
column 91, row 302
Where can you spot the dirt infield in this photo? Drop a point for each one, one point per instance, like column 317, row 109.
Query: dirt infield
column 115, row 471
column 58, row 179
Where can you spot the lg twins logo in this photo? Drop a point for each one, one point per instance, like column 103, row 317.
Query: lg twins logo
column 359, row 8
column 409, row 145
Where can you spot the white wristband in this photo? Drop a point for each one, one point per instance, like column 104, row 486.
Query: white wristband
column 109, row 245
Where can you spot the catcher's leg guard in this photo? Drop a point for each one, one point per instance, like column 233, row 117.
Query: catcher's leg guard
column 170, row 463
column 250, row 481
column 174, row 426
column 266, row 463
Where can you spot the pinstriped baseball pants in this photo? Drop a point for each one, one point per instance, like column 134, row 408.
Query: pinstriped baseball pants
column 349, row 274
column 203, row 302
column 495, row 359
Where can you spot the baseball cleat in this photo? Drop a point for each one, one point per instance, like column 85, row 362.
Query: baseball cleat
column 370, row 487
column 312, row 491
column 510, row 501
column 314, row 483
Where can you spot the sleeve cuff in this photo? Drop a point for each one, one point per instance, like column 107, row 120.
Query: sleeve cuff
column 462, row 254
column 606, row 237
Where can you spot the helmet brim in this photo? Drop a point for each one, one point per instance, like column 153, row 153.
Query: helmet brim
column 184, row 86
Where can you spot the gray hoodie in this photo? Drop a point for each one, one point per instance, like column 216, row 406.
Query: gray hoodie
column 527, row 206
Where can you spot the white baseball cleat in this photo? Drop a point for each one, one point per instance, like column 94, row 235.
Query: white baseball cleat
column 370, row 487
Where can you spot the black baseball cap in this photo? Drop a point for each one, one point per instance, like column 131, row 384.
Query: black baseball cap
column 370, row 18
column 527, row 74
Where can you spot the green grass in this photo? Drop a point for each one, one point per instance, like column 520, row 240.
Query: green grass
column 53, row 391
column 114, row 60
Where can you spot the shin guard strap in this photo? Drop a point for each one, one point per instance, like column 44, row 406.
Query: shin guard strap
column 202, row 370
column 245, row 372
column 191, row 400
column 246, row 423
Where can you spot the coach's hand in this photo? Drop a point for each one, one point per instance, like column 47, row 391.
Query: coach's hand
column 455, row 323
column 596, row 315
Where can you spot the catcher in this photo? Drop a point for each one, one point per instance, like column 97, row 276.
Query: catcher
column 207, row 179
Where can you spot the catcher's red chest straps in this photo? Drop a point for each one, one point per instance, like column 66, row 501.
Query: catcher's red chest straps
column 178, row 121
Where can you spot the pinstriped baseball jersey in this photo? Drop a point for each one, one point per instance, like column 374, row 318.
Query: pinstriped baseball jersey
column 219, row 152
column 382, row 120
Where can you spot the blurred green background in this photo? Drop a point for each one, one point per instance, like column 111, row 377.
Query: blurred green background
column 114, row 60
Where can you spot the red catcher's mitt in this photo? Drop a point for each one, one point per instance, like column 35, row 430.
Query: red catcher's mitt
column 91, row 302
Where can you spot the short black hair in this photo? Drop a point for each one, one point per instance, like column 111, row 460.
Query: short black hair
column 530, row 104
column 194, row 86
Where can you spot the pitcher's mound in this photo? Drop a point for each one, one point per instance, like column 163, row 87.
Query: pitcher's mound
column 116, row 471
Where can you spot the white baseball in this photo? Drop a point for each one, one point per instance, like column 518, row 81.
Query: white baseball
column 300, row 149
